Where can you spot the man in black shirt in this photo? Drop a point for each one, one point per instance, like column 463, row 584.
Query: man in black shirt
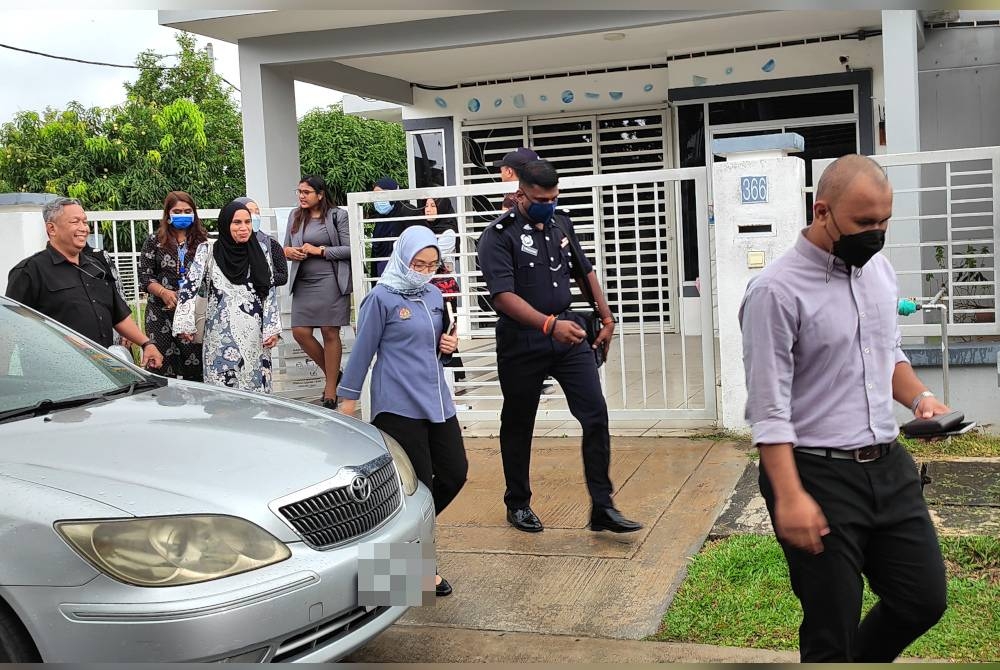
column 72, row 284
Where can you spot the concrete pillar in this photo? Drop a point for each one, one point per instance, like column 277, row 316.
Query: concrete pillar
column 270, row 133
column 21, row 228
column 752, row 229
column 902, row 37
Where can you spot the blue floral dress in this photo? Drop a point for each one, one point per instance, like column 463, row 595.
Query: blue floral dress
column 236, row 325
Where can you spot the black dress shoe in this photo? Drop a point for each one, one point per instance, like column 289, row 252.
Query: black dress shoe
column 442, row 589
column 524, row 519
column 608, row 518
column 330, row 403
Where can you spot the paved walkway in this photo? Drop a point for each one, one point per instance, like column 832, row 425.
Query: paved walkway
column 567, row 580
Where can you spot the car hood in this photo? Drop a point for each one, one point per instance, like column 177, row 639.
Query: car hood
column 188, row 448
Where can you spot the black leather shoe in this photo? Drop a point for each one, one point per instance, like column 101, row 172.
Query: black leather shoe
column 442, row 589
column 524, row 519
column 608, row 518
column 330, row 403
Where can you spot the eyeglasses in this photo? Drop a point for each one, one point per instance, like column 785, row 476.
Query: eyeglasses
column 301, row 192
column 420, row 266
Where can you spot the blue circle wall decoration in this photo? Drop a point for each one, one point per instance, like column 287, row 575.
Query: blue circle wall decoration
column 768, row 66
column 543, row 98
column 592, row 96
column 441, row 102
column 615, row 95
column 519, row 100
column 474, row 105
column 498, row 102
column 729, row 70
column 647, row 88
column 567, row 96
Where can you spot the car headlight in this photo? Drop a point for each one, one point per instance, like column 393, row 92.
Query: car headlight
column 407, row 475
column 173, row 550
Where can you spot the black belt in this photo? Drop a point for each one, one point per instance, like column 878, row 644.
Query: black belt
column 872, row 452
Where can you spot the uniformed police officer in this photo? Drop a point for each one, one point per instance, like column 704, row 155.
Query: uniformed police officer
column 526, row 262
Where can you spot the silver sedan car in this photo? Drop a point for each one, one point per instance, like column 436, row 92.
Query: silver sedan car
column 153, row 520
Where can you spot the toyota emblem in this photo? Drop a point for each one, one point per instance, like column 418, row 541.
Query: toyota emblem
column 361, row 488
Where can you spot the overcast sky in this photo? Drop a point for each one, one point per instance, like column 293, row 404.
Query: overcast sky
column 29, row 82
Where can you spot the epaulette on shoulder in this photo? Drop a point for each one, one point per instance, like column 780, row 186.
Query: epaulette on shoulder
column 504, row 220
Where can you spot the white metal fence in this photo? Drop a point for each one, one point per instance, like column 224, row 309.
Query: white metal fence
column 629, row 224
column 943, row 234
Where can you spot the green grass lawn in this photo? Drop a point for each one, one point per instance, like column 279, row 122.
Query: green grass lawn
column 737, row 594
column 973, row 443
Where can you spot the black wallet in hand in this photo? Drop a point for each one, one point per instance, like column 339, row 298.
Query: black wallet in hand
column 936, row 425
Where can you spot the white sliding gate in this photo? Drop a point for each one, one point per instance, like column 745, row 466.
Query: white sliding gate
column 658, row 376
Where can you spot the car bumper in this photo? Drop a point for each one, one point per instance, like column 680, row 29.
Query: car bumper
column 304, row 609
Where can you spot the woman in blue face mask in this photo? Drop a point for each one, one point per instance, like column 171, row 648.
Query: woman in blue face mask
column 385, row 226
column 267, row 242
column 163, row 264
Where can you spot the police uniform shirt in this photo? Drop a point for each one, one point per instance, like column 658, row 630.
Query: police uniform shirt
column 83, row 297
column 536, row 264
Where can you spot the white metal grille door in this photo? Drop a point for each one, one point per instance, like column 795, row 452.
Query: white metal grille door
column 634, row 225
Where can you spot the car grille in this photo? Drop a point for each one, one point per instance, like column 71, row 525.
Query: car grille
column 325, row 633
column 336, row 515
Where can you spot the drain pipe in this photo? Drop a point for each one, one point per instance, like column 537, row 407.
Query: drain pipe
column 937, row 304
column 907, row 307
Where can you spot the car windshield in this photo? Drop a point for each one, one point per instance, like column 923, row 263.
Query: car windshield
column 41, row 361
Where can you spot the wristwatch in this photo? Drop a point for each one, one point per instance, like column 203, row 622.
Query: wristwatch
column 920, row 396
column 322, row 251
column 145, row 344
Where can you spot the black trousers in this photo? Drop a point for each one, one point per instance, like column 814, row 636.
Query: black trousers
column 879, row 528
column 524, row 359
column 436, row 451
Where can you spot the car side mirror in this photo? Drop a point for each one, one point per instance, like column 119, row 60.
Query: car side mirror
column 121, row 353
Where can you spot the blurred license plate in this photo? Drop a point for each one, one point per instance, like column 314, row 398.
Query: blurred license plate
column 396, row 573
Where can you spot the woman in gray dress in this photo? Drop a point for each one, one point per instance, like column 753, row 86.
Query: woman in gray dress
column 318, row 247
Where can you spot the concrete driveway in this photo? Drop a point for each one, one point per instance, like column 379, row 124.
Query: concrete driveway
column 567, row 580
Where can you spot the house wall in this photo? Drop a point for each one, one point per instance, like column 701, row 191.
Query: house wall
column 960, row 88
column 647, row 86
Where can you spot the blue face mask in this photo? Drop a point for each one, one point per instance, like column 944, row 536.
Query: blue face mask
column 255, row 222
column 541, row 212
column 181, row 221
column 383, row 206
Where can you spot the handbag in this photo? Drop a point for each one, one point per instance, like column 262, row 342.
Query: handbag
column 201, row 299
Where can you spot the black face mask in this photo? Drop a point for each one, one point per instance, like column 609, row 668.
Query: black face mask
column 857, row 249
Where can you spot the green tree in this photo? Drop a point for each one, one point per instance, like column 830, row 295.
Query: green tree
column 350, row 152
column 177, row 130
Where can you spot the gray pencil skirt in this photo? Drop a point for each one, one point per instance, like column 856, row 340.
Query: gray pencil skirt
column 316, row 301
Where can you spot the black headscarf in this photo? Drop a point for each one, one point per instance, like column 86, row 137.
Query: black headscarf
column 235, row 259
column 443, row 222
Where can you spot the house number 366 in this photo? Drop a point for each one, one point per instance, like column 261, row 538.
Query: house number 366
column 753, row 190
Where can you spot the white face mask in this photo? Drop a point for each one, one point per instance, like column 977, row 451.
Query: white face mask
column 255, row 222
column 417, row 279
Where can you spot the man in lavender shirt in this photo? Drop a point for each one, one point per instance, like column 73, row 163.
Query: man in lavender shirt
column 823, row 362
